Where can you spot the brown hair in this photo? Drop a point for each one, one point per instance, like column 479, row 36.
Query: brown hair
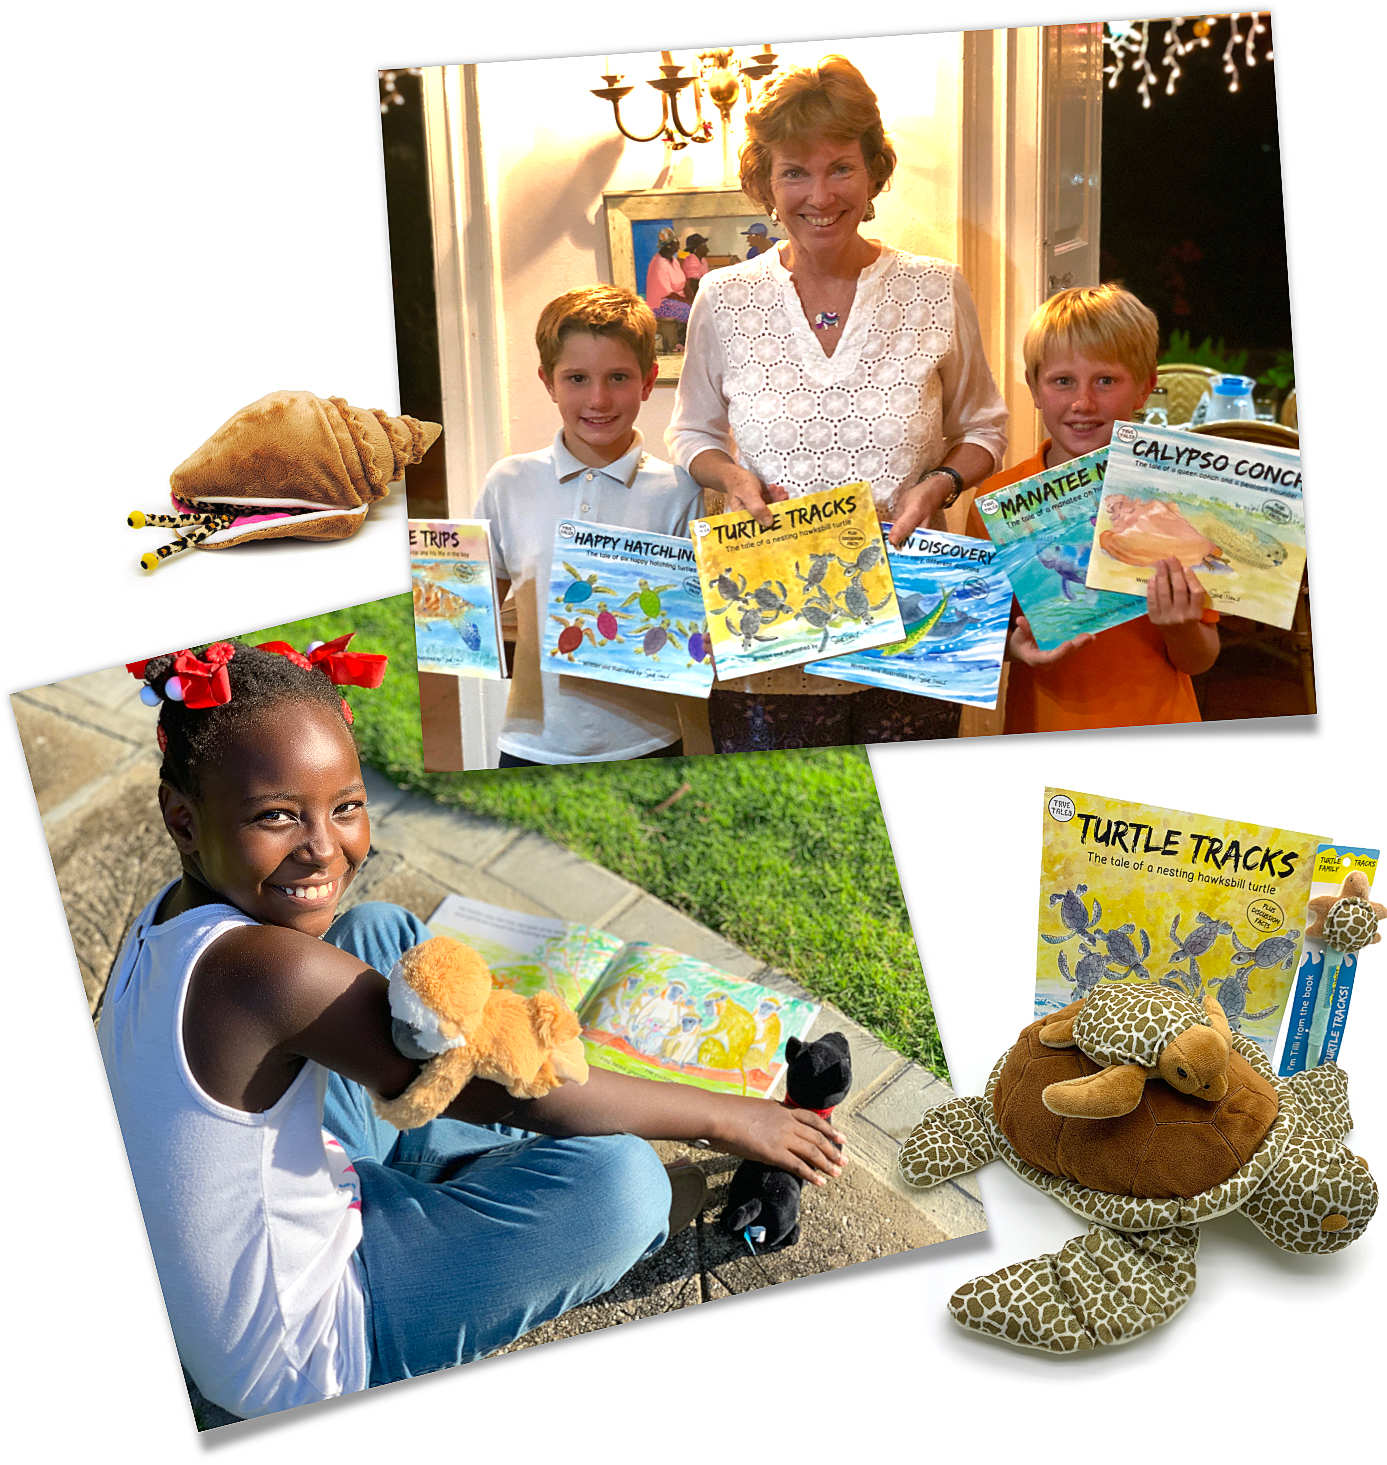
column 602, row 310
column 1102, row 321
column 828, row 100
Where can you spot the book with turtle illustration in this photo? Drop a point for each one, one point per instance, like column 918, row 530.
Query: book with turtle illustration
column 624, row 606
column 1201, row 905
column 1043, row 529
column 457, row 621
column 645, row 1009
column 814, row 584
column 955, row 605
column 1231, row 511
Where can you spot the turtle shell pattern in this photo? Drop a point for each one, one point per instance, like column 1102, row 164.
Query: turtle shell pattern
column 1350, row 924
column 1119, row 1023
column 1120, row 1209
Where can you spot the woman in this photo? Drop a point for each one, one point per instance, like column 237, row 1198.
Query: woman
column 831, row 359
column 665, row 287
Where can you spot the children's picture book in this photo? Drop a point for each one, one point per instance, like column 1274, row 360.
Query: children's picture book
column 457, row 621
column 624, row 606
column 1043, row 529
column 1318, row 1010
column 955, row 606
column 1230, row 511
column 1205, row 906
column 814, row 584
column 645, row 1009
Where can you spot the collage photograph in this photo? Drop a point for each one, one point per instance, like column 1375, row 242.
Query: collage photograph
column 721, row 699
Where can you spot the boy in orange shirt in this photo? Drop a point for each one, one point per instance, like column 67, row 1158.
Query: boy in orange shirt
column 1090, row 356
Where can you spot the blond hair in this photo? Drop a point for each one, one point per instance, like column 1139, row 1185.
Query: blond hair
column 828, row 100
column 601, row 310
column 1105, row 322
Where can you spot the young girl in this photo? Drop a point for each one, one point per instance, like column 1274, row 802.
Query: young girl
column 306, row 1248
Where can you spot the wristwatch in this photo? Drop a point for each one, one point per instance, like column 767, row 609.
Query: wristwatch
column 958, row 483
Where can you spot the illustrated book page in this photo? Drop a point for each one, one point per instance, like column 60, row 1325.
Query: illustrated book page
column 457, row 622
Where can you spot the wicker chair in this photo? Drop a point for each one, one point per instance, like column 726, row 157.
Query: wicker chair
column 1289, row 417
column 1252, row 431
column 1184, row 385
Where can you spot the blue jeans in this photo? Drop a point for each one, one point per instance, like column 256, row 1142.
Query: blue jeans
column 472, row 1235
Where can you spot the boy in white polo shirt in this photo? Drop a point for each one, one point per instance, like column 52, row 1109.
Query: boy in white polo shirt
column 597, row 362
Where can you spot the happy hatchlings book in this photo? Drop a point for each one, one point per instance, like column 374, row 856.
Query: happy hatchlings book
column 1233, row 512
column 955, row 606
column 813, row 584
column 457, row 621
column 624, row 606
column 1205, row 906
column 1043, row 529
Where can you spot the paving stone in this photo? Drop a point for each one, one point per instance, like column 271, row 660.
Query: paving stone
column 414, row 822
column 63, row 756
column 453, row 876
column 110, row 858
column 392, row 878
column 559, row 882
column 883, row 1117
column 649, row 919
column 113, row 707
column 381, row 795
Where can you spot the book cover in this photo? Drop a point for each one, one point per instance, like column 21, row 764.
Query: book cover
column 457, row 622
column 1043, row 529
column 1206, row 906
column 955, row 606
column 646, row 1010
column 1231, row 511
column 813, row 584
column 624, row 606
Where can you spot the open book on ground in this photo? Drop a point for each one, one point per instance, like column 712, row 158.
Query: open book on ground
column 645, row 1009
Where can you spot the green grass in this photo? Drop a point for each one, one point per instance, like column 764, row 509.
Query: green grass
column 784, row 854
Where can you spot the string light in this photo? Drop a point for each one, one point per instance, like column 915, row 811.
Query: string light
column 390, row 94
column 1128, row 44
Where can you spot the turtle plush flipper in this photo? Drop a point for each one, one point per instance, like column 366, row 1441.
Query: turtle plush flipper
column 1101, row 1288
column 1107, row 1094
column 1059, row 1031
column 952, row 1139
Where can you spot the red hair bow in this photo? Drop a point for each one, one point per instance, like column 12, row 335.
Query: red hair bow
column 343, row 668
column 201, row 683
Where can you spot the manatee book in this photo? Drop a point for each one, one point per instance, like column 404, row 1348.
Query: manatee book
column 624, row 606
column 955, row 606
column 457, row 622
column 1231, row 511
column 1043, row 530
column 1205, row 906
column 814, row 584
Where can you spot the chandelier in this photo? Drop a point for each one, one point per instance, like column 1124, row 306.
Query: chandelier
column 717, row 74
column 1131, row 46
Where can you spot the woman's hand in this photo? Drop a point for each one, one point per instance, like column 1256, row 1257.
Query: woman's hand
column 1021, row 645
column 797, row 1140
column 742, row 489
column 916, row 505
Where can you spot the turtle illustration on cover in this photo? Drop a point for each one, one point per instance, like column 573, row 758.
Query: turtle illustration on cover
column 1269, row 1147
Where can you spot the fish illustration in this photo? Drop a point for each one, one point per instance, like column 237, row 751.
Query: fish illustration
column 916, row 631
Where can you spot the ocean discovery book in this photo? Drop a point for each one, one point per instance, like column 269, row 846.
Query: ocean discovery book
column 814, row 584
column 457, row 622
column 624, row 606
column 645, row 1009
column 1233, row 512
column 1209, row 907
column 1043, row 530
column 955, row 605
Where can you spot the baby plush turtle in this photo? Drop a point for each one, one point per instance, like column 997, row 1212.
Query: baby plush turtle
column 1137, row 1031
column 1270, row 1148
column 1347, row 921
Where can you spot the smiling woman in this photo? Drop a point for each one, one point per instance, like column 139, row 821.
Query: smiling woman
column 831, row 359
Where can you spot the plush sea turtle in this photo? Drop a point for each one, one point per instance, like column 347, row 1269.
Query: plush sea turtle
column 1137, row 1031
column 1347, row 921
column 1270, row 1148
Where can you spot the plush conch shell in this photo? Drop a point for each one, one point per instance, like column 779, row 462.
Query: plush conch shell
column 295, row 465
column 1146, row 532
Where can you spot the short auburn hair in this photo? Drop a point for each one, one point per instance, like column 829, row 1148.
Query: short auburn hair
column 601, row 310
column 1102, row 321
column 829, row 100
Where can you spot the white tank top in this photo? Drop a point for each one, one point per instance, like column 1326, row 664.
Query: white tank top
column 253, row 1219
